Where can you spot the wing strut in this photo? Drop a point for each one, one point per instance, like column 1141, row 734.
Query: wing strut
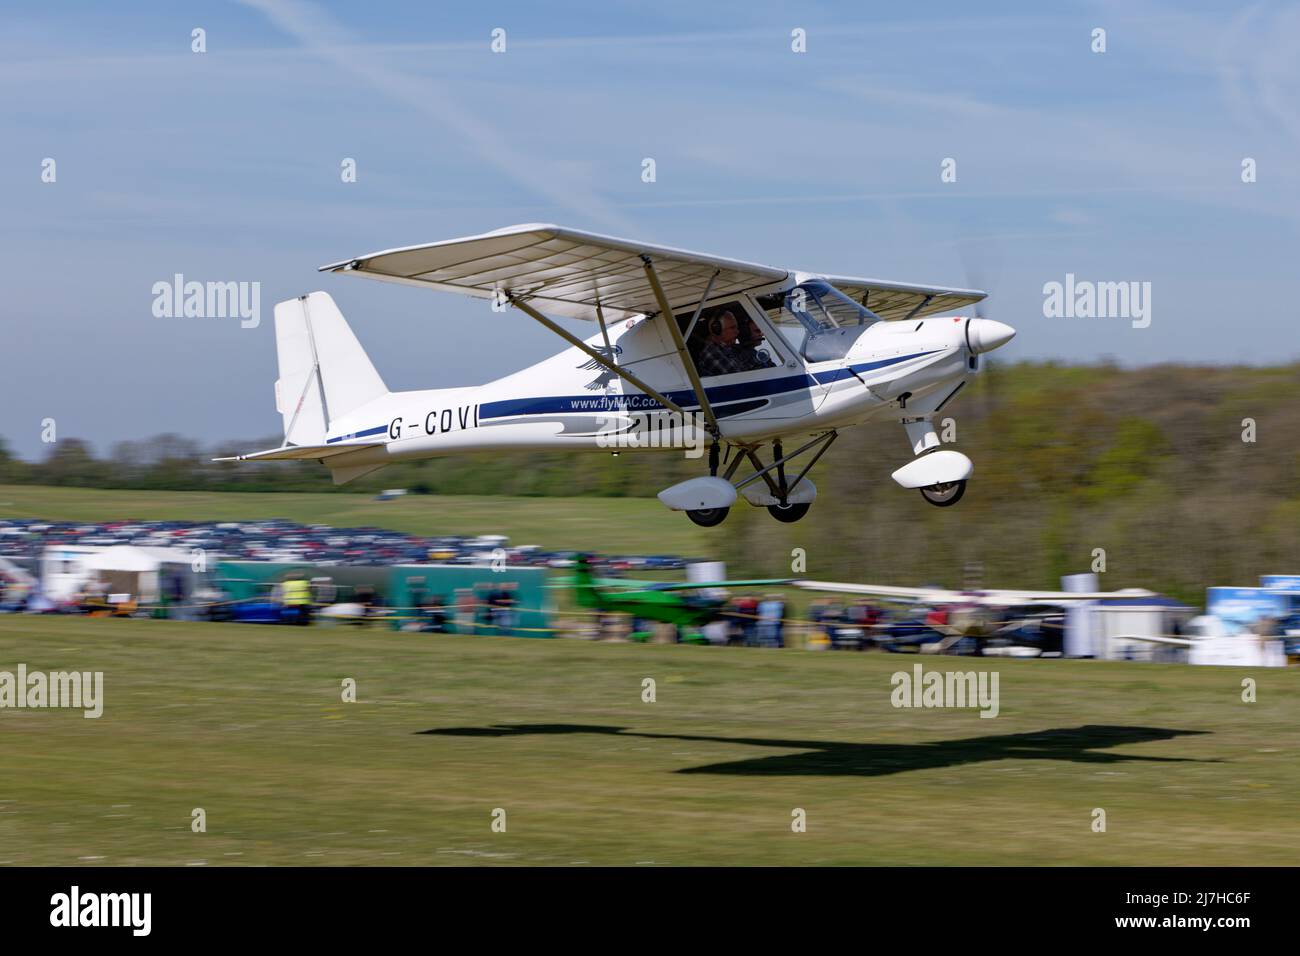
column 690, row 327
column 917, row 309
column 781, row 459
column 604, row 362
column 604, row 330
column 666, row 312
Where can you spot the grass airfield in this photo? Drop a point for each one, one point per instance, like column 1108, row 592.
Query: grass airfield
column 247, row 722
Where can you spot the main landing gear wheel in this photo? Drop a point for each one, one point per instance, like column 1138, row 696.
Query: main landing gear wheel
column 789, row 513
column 708, row 517
column 945, row 494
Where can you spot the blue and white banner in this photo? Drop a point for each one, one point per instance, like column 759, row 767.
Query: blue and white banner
column 1281, row 582
column 1243, row 607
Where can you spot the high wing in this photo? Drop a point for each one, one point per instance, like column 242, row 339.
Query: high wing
column 566, row 272
column 908, row 595
column 563, row 271
column 699, row 585
column 640, row 584
column 1154, row 639
column 991, row 598
column 901, row 300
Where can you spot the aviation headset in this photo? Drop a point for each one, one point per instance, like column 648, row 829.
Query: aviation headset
column 715, row 323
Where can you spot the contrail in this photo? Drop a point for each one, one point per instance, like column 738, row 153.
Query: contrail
column 319, row 33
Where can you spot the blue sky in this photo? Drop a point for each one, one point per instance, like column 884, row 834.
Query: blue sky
column 225, row 166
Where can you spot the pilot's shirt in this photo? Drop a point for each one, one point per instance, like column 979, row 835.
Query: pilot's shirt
column 716, row 359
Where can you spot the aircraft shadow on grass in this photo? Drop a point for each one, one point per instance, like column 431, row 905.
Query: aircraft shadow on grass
column 1086, row 744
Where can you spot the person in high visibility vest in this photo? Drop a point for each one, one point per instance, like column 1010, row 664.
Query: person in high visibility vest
column 296, row 596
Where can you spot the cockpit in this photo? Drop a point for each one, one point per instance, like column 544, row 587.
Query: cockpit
column 725, row 339
column 814, row 318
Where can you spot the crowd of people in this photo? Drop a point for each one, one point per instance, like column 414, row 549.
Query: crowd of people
column 15, row 592
column 752, row 621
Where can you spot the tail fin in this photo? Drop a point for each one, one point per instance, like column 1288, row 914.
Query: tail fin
column 583, row 583
column 324, row 371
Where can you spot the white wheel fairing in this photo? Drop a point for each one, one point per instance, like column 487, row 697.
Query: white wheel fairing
column 699, row 494
column 938, row 467
column 757, row 494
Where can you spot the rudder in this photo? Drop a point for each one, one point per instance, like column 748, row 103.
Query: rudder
column 324, row 371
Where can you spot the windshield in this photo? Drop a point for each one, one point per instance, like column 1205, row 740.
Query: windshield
column 821, row 310
column 819, row 305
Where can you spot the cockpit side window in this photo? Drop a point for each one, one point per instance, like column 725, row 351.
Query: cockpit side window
column 726, row 340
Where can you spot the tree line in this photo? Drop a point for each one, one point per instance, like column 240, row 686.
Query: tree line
column 1172, row 476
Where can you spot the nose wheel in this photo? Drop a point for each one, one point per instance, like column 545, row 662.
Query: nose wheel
column 945, row 494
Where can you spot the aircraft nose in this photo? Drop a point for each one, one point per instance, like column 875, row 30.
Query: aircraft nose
column 985, row 335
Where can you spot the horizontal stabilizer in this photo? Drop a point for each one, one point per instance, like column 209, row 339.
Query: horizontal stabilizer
column 304, row 452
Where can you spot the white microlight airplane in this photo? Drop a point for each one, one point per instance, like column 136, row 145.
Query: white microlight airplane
column 1006, row 636
column 688, row 353
column 984, row 597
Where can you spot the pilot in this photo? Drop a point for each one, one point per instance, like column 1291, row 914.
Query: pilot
column 722, row 354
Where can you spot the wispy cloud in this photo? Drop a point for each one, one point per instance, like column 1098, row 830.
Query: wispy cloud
column 324, row 36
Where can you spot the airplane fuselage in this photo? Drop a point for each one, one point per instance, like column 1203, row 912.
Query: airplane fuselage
column 889, row 370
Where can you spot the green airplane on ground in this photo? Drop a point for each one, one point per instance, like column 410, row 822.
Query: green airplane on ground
column 669, row 602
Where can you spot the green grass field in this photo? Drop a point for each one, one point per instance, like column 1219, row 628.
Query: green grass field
column 247, row 723
column 613, row 525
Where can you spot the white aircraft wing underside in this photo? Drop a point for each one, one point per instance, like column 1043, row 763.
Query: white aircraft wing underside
column 901, row 300
column 565, row 272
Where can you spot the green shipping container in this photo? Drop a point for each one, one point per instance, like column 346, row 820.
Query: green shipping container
column 466, row 591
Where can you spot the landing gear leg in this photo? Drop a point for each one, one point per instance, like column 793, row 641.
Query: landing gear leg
column 718, row 491
column 924, row 440
column 781, row 487
column 783, row 490
column 783, row 511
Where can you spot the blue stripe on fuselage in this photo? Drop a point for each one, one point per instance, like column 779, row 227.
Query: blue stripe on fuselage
column 362, row 434
column 718, row 395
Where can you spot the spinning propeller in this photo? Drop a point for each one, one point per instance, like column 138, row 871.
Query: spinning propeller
column 982, row 334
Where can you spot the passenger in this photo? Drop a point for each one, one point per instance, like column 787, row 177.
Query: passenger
column 752, row 355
